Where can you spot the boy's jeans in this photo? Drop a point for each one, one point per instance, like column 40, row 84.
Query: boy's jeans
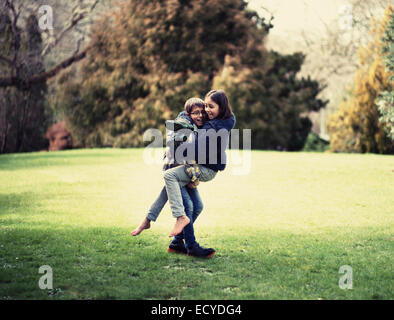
column 193, row 207
column 176, row 178
column 174, row 184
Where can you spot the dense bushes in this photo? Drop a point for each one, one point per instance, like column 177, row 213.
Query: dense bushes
column 269, row 99
column 148, row 57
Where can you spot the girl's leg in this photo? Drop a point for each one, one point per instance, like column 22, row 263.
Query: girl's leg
column 153, row 212
column 158, row 205
column 174, row 179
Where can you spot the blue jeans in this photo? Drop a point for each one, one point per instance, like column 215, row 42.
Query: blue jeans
column 158, row 205
column 175, row 179
column 193, row 207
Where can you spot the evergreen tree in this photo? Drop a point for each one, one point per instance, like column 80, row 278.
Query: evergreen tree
column 150, row 56
column 268, row 98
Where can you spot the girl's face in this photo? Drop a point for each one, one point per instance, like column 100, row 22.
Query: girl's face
column 197, row 115
column 211, row 108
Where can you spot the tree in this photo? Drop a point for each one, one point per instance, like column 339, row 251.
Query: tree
column 386, row 99
column 268, row 98
column 356, row 127
column 15, row 60
column 332, row 50
column 24, row 114
column 148, row 57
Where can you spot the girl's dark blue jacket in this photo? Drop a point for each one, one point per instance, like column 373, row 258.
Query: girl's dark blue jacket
column 207, row 135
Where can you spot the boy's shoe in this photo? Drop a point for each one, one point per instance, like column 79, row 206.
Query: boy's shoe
column 177, row 246
column 200, row 252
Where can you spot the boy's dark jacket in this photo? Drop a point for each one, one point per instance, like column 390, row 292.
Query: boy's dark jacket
column 175, row 137
column 204, row 157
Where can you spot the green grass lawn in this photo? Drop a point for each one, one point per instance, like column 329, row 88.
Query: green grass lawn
column 281, row 232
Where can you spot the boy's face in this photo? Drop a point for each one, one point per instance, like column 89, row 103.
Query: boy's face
column 197, row 115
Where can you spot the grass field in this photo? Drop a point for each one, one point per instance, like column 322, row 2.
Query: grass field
column 281, row 232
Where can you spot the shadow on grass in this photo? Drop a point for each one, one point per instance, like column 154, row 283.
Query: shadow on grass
column 107, row 263
column 22, row 203
column 87, row 263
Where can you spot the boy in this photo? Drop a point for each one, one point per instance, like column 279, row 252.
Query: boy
column 194, row 117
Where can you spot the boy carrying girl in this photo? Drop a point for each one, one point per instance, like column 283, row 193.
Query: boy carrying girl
column 180, row 129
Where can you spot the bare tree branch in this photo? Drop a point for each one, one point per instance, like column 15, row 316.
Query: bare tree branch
column 337, row 49
column 78, row 14
column 78, row 45
column 44, row 76
column 9, row 61
column 15, row 77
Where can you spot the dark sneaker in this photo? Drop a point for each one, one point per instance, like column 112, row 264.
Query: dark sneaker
column 200, row 252
column 177, row 246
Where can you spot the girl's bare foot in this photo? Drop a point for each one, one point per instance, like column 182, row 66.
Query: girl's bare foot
column 180, row 223
column 145, row 224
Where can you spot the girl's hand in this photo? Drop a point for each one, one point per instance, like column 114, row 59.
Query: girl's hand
column 167, row 152
column 194, row 184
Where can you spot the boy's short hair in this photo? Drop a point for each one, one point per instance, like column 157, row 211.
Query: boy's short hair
column 193, row 102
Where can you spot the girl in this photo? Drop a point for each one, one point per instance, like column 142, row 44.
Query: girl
column 220, row 118
column 194, row 114
column 210, row 159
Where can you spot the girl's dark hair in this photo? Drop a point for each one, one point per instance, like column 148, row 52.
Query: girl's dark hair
column 193, row 102
column 220, row 98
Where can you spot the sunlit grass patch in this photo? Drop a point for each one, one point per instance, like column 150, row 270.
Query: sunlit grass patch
column 280, row 232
